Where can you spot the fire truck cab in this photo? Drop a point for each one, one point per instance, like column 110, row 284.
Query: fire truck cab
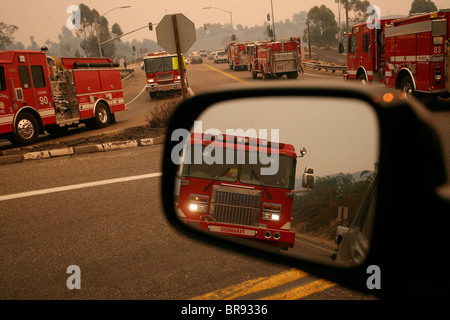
column 366, row 53
column 162, row 73
column 40, row 92
column 232, row 197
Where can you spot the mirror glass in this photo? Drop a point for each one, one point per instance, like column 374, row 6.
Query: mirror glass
column 293, row 175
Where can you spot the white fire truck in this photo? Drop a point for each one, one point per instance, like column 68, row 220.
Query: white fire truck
column 410, row 54
column 275, row 58
column 40, row 92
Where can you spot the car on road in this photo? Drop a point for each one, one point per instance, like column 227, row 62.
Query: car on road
column 196, row 59
column 220, row 56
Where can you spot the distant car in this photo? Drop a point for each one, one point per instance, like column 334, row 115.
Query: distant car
column 196, row 59
column 203, row 53
column 221, row 56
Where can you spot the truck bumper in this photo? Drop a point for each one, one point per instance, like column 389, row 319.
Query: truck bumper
column 273, row 237
column 163, row 87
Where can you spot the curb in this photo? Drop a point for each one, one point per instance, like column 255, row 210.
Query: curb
column 103, row 147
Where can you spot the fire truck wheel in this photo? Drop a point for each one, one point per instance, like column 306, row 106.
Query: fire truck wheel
column 407, row 87
column 265, row 75
column 26, row 130
column 101, row 118
column 362, row 79
column 292, row 75
column 254, row 73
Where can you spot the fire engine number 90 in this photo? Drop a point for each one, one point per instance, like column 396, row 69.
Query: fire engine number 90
column 43, row 100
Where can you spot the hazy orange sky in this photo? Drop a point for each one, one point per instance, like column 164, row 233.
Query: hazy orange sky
column 44, row 19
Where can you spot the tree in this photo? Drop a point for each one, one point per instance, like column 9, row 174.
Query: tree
column 92, row 25
column 6, row 35
column 116, row 30
column 323, row 26
column 422, row 6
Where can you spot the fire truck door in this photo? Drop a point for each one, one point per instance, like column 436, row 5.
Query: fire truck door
column 41, row 88
column 6, row 102
column 366, row 50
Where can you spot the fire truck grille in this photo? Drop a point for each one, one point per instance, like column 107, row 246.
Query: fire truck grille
column 165, row 77
column 235, row 205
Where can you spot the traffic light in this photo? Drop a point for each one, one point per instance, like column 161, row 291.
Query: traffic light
column 150, row 26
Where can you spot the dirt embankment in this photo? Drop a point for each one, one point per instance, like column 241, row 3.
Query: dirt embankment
column 326, row 56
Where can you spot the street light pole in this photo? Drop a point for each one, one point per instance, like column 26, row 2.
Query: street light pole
column 231, row 16
column 98, row 32
column 273, row 20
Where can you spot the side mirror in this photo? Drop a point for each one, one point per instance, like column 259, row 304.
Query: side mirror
column 234, row 154
column 308, row 178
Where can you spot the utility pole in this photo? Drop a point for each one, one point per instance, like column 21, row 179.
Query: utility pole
column 273, row 21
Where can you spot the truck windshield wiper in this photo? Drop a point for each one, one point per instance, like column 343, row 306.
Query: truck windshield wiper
column 216, row 178
column 261, row 182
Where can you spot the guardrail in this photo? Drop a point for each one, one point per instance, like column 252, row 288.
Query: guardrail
column 326, row 67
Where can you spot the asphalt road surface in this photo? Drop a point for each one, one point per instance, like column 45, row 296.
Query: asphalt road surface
column 102, row 213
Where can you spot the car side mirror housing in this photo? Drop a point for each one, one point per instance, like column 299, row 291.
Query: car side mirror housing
column 404, row 142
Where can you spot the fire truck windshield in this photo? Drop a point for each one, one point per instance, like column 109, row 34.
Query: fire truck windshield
column 245, row 167
column 158, row 64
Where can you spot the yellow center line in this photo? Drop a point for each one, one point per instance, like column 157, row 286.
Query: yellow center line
column 253, row 285
column 227, row 74
column 302, row 291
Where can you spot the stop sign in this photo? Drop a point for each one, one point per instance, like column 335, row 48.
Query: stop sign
column 166, row 36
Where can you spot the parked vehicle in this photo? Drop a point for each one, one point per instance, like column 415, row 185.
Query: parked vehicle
column 220, row 57
column 162, row 73
column 40, row 92
column 409, row 54
column 195, row 59
column 275, row 58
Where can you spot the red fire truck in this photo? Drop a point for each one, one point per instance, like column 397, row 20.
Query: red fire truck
column 409, row 54
column 162, row 73
column 275, row 58
column 40, row 92
column 233, row 197
column 237, row 55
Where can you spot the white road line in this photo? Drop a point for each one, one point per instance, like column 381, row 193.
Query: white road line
column 77, row 186
column 310, row 244
column 135, row 97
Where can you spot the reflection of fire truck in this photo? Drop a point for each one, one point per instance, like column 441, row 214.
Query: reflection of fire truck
column 39, row 92
column 236, row 197
column 278, row 58
column 237, row 55
column 162, row 73
column 410, row 54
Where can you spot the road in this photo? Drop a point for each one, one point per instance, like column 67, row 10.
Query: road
column 102, row 212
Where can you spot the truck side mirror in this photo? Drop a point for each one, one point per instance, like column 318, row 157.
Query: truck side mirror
column 308, row 178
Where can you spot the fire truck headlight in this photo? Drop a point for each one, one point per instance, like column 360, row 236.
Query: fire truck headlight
column 271, row 216
column 271, row 212
column 195, row 207
column 150, row 80
column 198, row 203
